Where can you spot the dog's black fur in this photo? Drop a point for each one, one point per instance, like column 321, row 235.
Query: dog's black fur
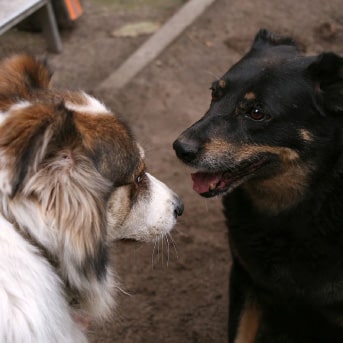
column 272, row 142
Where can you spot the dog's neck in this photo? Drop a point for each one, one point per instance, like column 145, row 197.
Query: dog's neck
column 82, row 291
column 280, row 192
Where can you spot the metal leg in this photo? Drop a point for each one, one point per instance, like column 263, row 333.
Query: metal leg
column 49, row 26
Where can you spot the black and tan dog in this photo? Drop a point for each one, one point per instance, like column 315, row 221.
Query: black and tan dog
column 272, row 142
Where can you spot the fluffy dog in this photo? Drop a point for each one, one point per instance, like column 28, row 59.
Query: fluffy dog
column 272, row 143
column 72, row 178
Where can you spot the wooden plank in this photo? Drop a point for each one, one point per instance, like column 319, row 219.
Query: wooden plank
column 155, row 44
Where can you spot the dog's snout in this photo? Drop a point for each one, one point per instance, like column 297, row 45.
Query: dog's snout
column 186, row 150
column 178, row 206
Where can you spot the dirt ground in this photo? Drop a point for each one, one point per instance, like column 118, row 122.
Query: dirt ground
column 176, row 292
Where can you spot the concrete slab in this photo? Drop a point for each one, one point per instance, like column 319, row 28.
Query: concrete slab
column 155, row 44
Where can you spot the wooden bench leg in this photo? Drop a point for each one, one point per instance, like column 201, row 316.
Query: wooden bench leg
column 49, row 26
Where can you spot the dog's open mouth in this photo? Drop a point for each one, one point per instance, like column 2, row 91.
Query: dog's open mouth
column 209, row 184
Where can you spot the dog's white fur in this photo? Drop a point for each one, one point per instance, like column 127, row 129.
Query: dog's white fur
column 91, row 105
column 59, row 207
column 33, row 307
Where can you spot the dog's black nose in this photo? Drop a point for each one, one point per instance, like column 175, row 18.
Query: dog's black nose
column 178, row 206
column 186, row 150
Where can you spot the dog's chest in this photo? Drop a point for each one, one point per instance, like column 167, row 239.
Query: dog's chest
column 286, row 253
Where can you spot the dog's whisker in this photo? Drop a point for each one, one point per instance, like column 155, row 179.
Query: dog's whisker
column 174, row 244
column 162, row 241
column 216, row 77
column 205, row 205
column 161, row 245
column 167, row 242
column 153, row 253
column 163, row 250
column 123, row 291
column 158, row 250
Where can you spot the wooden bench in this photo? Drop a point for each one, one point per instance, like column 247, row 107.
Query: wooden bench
column 14, row 11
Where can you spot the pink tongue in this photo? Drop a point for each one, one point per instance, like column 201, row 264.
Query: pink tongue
column 202, row 181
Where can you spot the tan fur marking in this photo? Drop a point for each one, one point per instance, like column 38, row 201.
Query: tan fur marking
column 222, row 83
column 250, row 96
column 280, row 192
column 92, row 128
column 119, row 208
column 218, row 146
column 248, row 325
column 306, row 135
column 273, row 194
column 243, row 152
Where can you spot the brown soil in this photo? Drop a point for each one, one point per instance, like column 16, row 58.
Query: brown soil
column 178, row 291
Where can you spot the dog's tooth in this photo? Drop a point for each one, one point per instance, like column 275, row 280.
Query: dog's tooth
column 212, row 186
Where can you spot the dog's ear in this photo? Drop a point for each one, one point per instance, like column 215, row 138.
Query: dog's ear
column 21, row 73
column 24, row 135
column 42, row 159
column 327, row 74
column 265, row 39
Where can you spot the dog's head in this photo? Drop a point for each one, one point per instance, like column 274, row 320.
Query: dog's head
column 272, row 116
column 72, row 176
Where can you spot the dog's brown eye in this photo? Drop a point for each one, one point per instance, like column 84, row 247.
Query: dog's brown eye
column 257, row 114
